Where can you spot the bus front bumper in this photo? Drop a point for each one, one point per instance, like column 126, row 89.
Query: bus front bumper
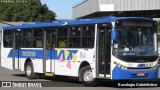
column 119, row 74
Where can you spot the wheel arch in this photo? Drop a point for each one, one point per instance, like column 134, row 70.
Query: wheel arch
column 83, row 64
column 26, row 61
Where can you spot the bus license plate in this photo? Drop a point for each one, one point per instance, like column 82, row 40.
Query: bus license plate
column 140, row 74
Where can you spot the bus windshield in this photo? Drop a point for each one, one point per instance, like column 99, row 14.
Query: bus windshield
column 135, row 43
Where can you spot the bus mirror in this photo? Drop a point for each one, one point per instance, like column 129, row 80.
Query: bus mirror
column 115, row 46
column 114, row 35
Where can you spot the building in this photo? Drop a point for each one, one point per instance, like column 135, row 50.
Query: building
column 100, row 8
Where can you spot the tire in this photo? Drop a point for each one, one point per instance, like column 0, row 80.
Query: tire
column 29, row 71
column 86, row 76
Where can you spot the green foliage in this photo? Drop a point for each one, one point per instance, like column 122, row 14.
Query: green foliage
column 30, row 11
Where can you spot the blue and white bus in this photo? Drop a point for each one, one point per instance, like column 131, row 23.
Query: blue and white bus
column 117, row 48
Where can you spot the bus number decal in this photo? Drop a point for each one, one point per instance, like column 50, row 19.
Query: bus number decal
column 82, row 55
column 28, row 53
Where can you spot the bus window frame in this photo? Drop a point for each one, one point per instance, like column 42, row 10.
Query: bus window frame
column 81, row 36
column 48, row 29
column 31, row 38
column 4, row 39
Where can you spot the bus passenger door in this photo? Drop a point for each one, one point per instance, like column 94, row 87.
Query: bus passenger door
column 16, row 49
column 50, row 51
column 104, row 51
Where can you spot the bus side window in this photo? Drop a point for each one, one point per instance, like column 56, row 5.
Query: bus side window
column 62, row 37
column 74, row 42
column 49, row 42
column 62, row 43
column 7, row 38
column 88, row 31
column 88, row 36
column 74, row 37
column 88, row 42
column 39, row 43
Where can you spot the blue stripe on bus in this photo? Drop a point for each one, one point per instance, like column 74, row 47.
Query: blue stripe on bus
column 119, row 74
column 25, row 53
column 38, row 54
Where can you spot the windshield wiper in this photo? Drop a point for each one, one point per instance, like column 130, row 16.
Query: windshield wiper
column 136, row 42
column 147, row 39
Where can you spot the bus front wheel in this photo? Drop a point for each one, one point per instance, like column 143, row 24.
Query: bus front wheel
column 29, row 71
column 86, row 76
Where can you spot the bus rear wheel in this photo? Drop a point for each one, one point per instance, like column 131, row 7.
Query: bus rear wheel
column 86, row 76
column 29, row 71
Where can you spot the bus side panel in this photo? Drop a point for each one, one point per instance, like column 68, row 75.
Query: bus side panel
column 67, row 62
column 63, row 61
column 37, row 60
column 48, row 65
column 65, row 68
column 50, row 61
column 88, row 56
column 7, row 63
column 35, row 55
column 2, row 62
column 6, row 58
column 38, row 65
column 22, row 63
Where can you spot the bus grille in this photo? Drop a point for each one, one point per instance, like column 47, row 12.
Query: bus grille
column 135, row 76
column 135, row 68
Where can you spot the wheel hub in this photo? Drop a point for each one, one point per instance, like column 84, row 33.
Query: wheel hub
column 28, row 70
column 88, row 76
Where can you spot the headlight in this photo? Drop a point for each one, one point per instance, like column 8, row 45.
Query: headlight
column 120, row 66
column 155, row 66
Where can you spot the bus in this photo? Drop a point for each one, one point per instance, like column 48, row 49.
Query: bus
column 116, row 48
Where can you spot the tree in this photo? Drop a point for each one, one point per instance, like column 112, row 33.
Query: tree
column 30, row 11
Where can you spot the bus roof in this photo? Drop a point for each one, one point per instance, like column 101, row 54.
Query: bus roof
column 68, row 23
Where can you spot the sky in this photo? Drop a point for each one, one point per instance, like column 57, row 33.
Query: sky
column 62, row 8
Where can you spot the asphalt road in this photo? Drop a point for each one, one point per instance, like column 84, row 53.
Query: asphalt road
column 64, row 83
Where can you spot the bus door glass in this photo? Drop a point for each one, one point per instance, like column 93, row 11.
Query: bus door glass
column 104, row 50
column 16, row 48
column 50, row 45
